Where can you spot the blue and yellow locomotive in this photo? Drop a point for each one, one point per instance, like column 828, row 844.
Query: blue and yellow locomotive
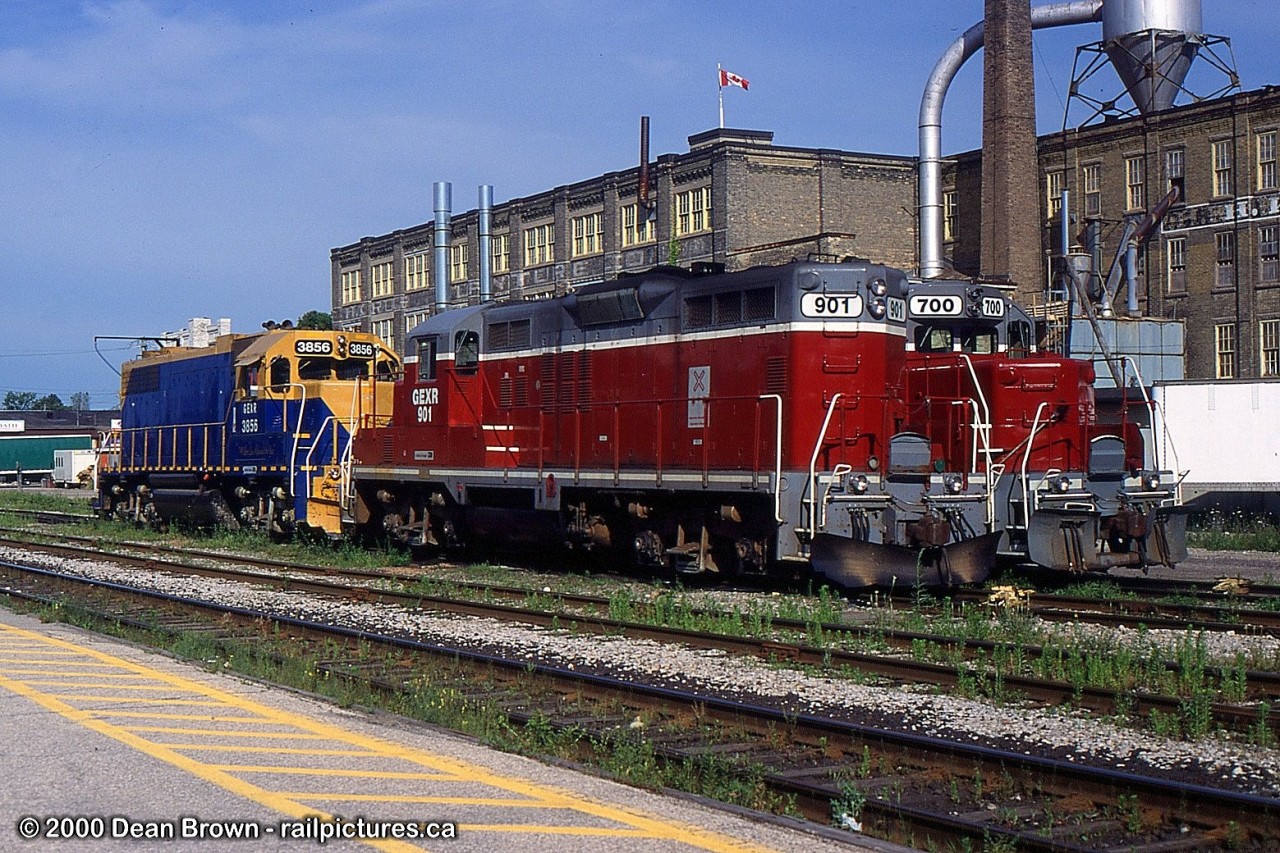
column 252, row 432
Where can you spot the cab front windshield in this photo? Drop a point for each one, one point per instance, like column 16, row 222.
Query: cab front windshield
column 973, row 340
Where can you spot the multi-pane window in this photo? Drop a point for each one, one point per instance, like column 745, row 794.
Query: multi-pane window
column 637, row 228
column 384, row 329
column 586, row 235
column 351, row 287
column 383, row 279
column 1175, row 171
column 539, row 245
column 1092, row 181
column 1222, row 184
column 1225, row 349
column 458, row 262
column 1053, row 193
column 693, row 211
column 1135, row 198
column 415, row 271
column 950, row 214
column 1269, row 252
column 1267, row 160
column 1176, row 253
column 1225, row 244
column 414, row 318
column 1269, row 347
column 500, row 253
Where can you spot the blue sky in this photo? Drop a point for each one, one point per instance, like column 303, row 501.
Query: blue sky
column 164, row 160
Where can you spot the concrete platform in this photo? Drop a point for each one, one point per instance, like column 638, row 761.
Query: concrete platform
column 98, row 729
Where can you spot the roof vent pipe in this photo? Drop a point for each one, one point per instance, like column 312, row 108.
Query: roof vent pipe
column 642, row 183
column 443, row 233
column 486, row 240
column 935, row 92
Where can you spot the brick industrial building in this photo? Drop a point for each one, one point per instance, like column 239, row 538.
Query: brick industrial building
column 1215, row 263
column 737, row 199
column 734, row 198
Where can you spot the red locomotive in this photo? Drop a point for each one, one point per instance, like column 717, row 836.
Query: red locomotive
column 674, row 419
column 754, row 421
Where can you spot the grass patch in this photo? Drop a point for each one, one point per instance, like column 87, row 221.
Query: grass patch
column 1236, row 531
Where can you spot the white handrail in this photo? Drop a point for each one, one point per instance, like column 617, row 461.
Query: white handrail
column 813, row 466
column 777, row 461
column 1026, row 457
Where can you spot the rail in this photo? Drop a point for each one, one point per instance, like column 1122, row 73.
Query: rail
column 1156, row 409
column 131, row 437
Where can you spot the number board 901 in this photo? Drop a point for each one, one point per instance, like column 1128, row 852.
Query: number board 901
column 313, row 347
column 361, row 349
column 831, row 305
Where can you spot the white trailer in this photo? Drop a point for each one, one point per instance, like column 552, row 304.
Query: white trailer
column 1223, row 434
column 69, row 465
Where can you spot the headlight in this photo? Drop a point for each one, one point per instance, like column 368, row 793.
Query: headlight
column 877, row 307
column 1062, row 484
column 954, row 484
column 1151, row 480
column 860, row 484
column 878, row 287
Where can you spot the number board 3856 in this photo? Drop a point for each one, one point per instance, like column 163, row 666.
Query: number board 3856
column 313, row 347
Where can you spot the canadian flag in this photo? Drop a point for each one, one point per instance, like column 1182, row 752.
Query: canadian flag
column 728, row 78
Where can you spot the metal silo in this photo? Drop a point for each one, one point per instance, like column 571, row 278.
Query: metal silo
column 1151, row 44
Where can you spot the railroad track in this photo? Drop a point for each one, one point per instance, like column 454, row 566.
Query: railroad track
column 921, row 790
column 48, row 516
column 1258, row 688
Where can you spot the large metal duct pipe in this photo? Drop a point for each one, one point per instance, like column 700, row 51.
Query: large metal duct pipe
column 486, row 240
column 935, row 92
column 443, row 233
column 1151, row 44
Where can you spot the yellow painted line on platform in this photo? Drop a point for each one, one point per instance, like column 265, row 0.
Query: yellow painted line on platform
column 504, row 802
column 137, row 699
column 551, row 830
column 49, row 682
column 332, row 771
column 634, row 823
column 176, row 730
column 158, row 715
column 274, row 750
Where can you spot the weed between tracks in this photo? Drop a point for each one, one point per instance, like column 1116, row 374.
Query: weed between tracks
column 1130, row 662
column 451, row 697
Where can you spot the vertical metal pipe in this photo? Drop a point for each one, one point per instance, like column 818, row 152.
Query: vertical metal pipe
column 930, row 128
column 486, row 240
column 1131, row 277
column 642, row 187
column 443, row 232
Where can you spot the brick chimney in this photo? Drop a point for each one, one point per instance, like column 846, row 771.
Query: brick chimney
column 1010, row 172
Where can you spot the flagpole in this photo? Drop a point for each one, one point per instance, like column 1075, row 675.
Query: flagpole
column 720, row 91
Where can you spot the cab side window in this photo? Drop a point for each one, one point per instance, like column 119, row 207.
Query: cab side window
column 247, row 387
column 426, row 359
column 466, row 352
column 281, row 372
column 1019, row 340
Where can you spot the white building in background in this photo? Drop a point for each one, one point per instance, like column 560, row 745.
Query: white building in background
column 200, row 332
